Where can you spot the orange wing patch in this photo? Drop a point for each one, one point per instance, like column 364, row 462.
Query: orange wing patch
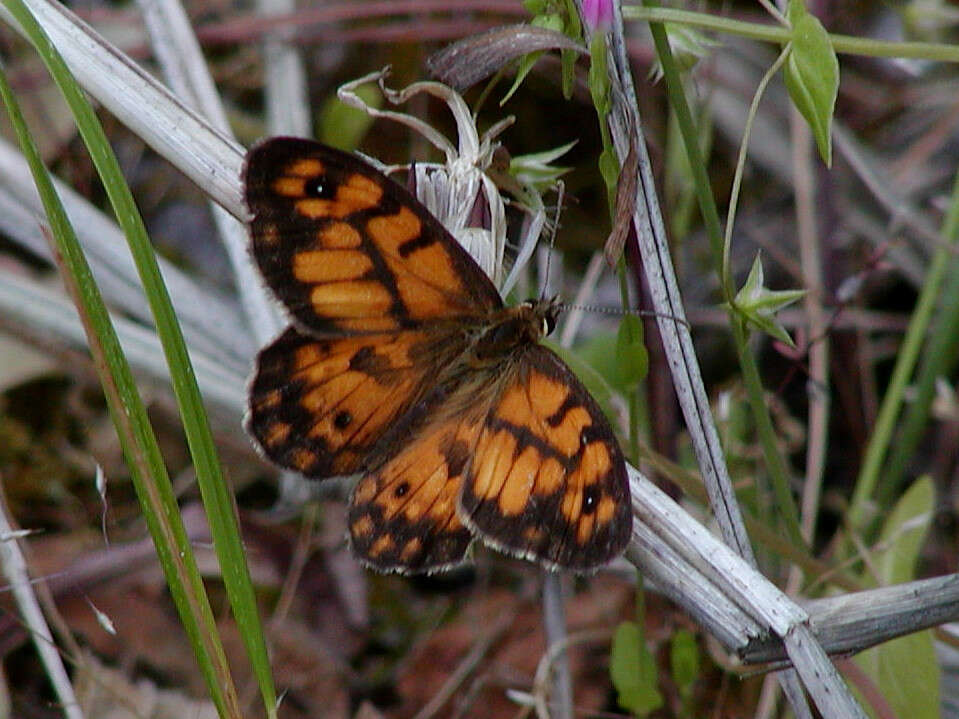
column 347, row 250
column 322, row 406
column 403, row 513
column 340, row 235
column 548, row 481
column 392, row 232
column 318, row 266
column 355, row 194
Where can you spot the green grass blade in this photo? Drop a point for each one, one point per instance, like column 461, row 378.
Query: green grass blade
column 216, row 496
column 906, row 359
column 140, row 448
column 939, row 360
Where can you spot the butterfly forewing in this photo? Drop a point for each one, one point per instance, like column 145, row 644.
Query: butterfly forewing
column 547, row 480
column 348, row 250
column 322, row 406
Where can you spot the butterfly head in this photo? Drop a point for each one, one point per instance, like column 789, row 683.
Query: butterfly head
column 544, row 312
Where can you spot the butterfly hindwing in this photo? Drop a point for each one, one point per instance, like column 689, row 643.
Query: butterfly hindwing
column 403, row 513
column 547, row 481
column 348, row 250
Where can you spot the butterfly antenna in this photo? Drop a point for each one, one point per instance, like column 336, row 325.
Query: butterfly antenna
column 621, row 311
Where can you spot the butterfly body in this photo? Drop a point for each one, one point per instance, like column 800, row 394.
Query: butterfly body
column 403, row 365
column 512, row 329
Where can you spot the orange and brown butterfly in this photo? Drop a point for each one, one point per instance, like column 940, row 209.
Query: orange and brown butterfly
column 403, row 365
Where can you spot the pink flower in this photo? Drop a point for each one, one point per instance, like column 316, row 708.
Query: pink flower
column 598, row 14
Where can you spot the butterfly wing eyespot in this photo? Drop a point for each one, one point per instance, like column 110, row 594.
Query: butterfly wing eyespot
column 548, row 481
column 347, row 250
column 323, row 406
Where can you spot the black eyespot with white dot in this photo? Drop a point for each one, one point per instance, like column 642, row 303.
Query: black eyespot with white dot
column 320, row 187
column 342, row 419
column 402, row 489
column 590, row 499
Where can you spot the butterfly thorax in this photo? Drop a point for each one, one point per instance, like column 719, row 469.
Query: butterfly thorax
column 514, row 328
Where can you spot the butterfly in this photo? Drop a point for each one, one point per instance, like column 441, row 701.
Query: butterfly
column 403, row 365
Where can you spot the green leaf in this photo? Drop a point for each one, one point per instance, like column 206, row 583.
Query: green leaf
column 632, row 359
column 758, row 305
column 599, row 352
column 812, row 74
column 904, row 532
column 598, row 77
column 905, row 669
column 600, row 356
column 535, row 169
column 526, row 64
column 139, row 444
column 689, row 45
column 684, row 661
column 906, row 672
column 344, row 127
column 633, row 671
column 770, row 327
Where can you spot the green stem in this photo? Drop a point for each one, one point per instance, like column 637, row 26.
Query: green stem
column 741, row 163
column 938, row 361
column 781, row 35
column 687, row 129
column 775, row 464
